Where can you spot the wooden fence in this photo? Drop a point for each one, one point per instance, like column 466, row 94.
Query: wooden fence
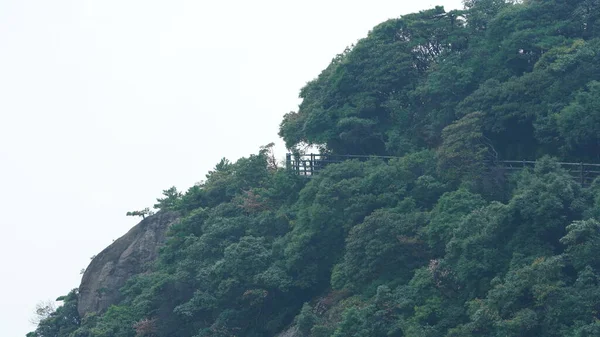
column 584, row 173
column 309, row 165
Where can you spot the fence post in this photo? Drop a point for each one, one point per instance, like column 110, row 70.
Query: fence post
column 581, row 174
column 312, row 164
column 288, row 161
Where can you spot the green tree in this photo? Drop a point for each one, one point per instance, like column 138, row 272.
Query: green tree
column 464, row 150
column 61, row 322
column 577, row 123
column 386, row 246
column 170, row 201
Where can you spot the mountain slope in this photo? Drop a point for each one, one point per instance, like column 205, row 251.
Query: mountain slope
column 435, row 242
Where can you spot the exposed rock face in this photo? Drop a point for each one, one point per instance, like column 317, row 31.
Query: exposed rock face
column 127, row 256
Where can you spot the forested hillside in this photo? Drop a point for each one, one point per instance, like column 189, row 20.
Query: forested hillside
column 436, row 242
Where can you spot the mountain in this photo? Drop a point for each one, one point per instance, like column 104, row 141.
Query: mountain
column 422, row 230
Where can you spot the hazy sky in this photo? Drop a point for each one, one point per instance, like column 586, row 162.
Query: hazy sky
column 103, row 104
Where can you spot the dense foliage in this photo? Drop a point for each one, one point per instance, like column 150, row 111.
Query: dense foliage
column 432, row 243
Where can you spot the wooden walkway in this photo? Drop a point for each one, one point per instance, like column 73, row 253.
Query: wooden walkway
column 309, row 165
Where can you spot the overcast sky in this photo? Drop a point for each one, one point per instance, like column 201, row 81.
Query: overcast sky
column 103, row 104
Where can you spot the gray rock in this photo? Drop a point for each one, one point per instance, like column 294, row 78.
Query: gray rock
column 129, row 255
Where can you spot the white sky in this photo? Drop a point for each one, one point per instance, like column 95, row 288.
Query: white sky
column 103, row 104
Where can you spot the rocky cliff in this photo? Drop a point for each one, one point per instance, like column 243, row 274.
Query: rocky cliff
column 127, row 256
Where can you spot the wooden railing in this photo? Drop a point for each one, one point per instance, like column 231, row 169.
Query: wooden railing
column 584, row 173
column 309, row 165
